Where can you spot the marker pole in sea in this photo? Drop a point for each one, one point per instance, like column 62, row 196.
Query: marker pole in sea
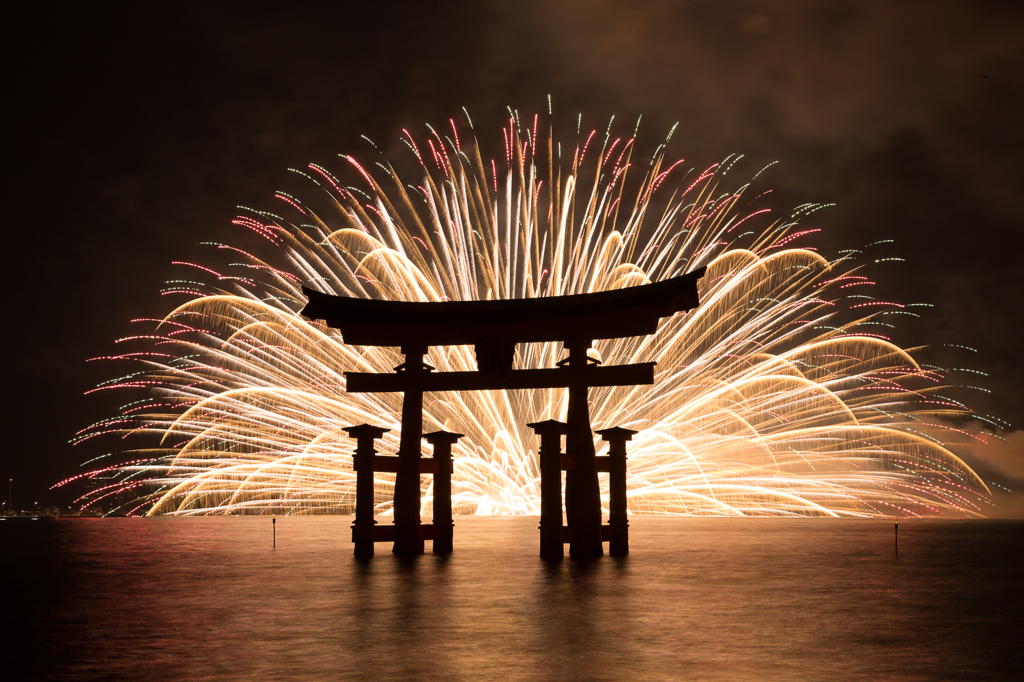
column 897, row 538
column 273, row 524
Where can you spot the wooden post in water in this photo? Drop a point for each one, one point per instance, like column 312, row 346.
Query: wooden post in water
column 443, row 524
column 897, row 538
column 273, row 524
column 550, row 455
column 362, row 462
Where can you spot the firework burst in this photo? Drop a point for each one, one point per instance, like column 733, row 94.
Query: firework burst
column 774, row 397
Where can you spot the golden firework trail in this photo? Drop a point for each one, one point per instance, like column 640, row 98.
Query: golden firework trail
column 776, row 396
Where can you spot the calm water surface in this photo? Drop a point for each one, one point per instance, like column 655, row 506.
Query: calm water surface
column 697, row 599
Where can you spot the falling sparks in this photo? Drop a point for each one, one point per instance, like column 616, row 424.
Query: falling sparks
column 769, row 398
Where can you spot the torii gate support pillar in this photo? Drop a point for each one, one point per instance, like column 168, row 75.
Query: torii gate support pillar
column 551, row 432
column 618, row 543
column 362, row 527
column 443, row 524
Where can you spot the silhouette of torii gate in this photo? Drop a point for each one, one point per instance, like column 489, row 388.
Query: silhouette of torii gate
column 494, row 328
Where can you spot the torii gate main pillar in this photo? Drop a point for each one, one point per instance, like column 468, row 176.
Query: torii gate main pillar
column 583, row 492
column 408, row 532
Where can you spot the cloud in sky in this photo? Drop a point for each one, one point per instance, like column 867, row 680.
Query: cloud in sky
column 1001, row 465
column 833, row 73
column 1007, row 460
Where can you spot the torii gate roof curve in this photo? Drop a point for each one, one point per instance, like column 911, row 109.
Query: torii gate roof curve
column 632, row 311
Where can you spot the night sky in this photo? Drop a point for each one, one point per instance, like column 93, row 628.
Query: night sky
column 135, row 135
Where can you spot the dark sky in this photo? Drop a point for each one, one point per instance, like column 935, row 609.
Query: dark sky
column 136, row 130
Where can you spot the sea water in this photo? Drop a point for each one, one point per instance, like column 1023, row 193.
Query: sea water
column 696, row 599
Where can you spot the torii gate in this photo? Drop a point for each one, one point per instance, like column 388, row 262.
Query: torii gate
column 494, row 328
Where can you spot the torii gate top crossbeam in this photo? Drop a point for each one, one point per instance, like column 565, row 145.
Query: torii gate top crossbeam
column 633, row 311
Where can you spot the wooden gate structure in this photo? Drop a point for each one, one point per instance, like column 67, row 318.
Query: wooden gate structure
column 494, row 328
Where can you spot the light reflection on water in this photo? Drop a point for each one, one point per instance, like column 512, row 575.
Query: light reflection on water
column 700, row 599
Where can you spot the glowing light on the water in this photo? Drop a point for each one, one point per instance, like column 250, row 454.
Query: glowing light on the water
column 777, row 396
